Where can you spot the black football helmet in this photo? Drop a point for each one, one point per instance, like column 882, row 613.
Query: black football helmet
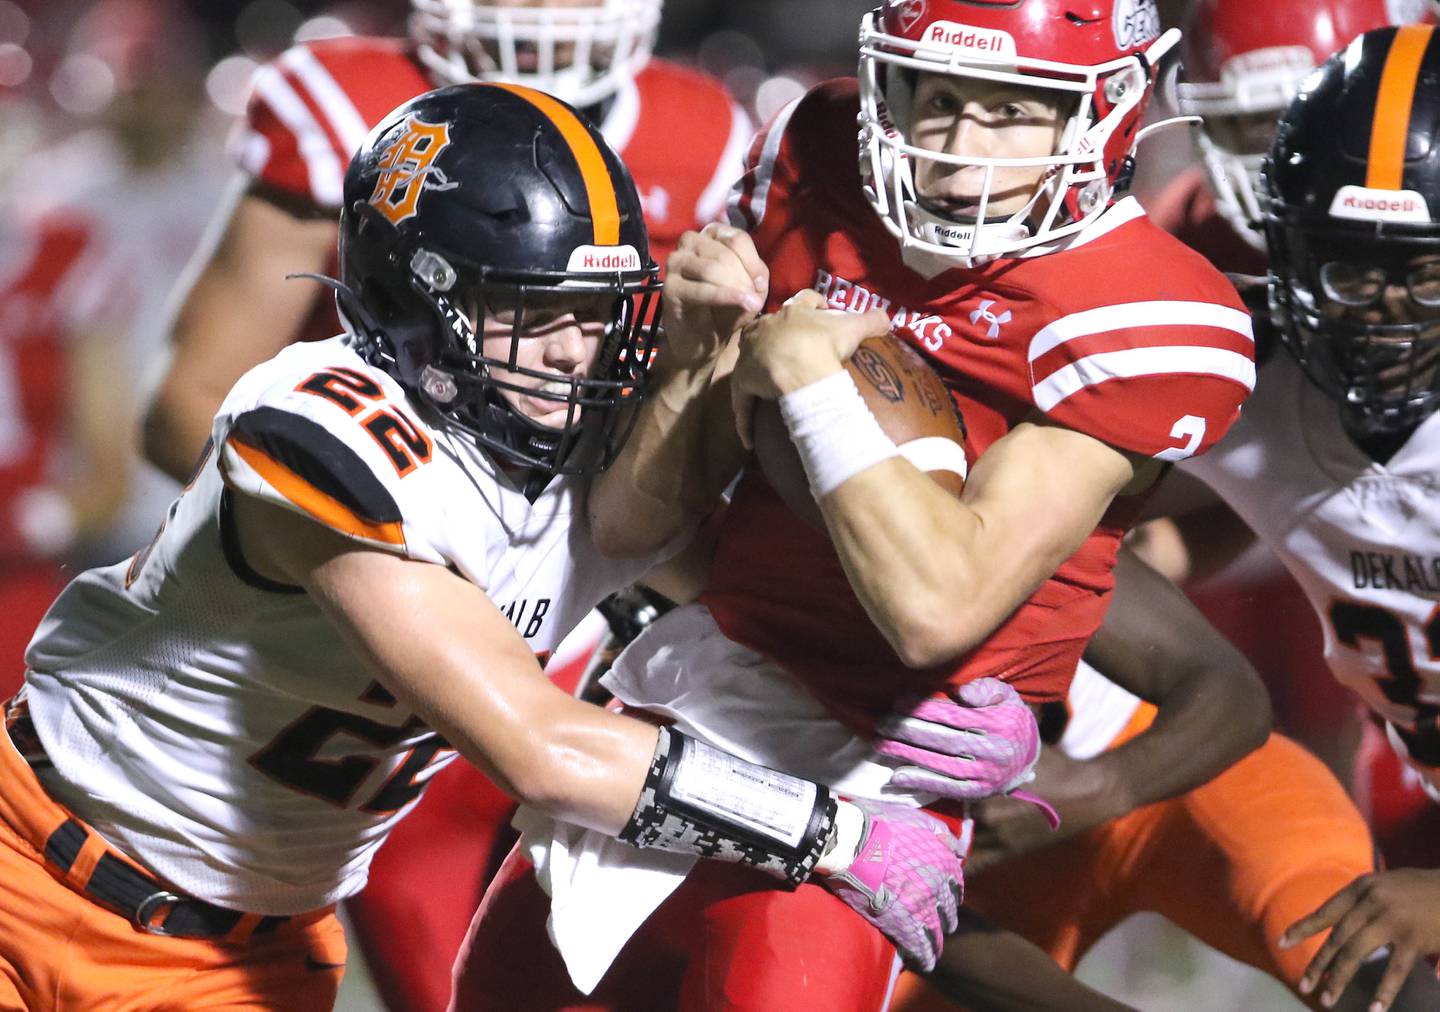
column 493, row 201
column 1351, row 201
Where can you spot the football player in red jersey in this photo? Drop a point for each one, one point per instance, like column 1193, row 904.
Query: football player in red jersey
column 681, row 135
column 1085, row 349
column 54, row 415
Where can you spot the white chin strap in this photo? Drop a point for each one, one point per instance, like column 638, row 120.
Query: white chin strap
column 995, row 238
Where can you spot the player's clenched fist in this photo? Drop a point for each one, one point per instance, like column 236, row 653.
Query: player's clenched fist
column 802, row 342
column 981, row 741
column 715, row 283
column 906, row 878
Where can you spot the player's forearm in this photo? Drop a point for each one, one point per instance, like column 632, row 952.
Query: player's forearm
column 585, row 765
column 1212, row 708
column 1194, row 738
column 938, row 574
column 673, row 467
column 177, row 424
column 917, row 573
column 985, row 967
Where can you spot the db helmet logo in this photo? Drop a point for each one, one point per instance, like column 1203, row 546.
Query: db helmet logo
column 995, row 322
column 407, row 167
column 909, row 12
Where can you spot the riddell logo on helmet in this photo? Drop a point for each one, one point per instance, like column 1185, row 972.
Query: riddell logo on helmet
column 968, row 37
column 604, row 259
column 1364, row 204
column 1283, row 63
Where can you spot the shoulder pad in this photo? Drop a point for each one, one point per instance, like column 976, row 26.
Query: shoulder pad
column 311, row 107
column 1165, row 378
column 338, row 444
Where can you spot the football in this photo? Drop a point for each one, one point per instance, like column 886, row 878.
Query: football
column 908, row 400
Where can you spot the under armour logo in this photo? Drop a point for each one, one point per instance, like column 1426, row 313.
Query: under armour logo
column 983, row 313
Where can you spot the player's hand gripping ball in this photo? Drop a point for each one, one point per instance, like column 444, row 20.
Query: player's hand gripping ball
column 908, row 400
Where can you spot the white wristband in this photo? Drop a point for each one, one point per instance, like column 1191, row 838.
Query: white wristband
column 835, row 432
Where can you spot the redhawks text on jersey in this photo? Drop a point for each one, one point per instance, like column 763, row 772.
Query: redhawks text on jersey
column 1121, row 333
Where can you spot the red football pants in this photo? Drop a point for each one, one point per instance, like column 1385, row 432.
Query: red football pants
column 727, row 939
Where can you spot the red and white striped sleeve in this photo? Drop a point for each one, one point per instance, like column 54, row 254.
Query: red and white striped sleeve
column 731, row 165
column 1165, row 378
column 300, row 129
column 766, row 173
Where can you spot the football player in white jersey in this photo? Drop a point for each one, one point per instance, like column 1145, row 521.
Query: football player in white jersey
column 216, row 735
column 1334, row 462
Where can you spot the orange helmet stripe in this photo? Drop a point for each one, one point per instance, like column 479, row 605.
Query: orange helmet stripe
column 1388, row 134
column 599, row 187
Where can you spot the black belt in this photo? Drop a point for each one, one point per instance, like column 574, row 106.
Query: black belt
column 140, row 898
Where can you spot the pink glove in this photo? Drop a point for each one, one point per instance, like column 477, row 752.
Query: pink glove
column 982, row 742
column 907, row 879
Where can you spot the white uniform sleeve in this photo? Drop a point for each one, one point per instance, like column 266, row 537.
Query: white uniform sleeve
column 337, row 444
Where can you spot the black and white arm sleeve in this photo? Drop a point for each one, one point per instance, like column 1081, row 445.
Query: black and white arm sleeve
column 703, row 801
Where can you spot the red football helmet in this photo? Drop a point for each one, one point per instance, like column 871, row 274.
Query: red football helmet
column 1097, row 54
column 1244, row 61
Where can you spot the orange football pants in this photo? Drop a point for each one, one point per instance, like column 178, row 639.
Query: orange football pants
column 1233, row 862
column 61, row 951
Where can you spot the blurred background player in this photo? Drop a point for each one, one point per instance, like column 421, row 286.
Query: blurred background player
column 682, row 137
column 680, row 133
column 62, row 460
column 1339, row 433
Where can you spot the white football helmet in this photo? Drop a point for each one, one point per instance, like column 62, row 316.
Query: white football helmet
column 581, row 53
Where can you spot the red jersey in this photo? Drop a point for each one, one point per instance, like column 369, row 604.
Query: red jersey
column 1186, row 209
column 1123, row 334
column 678, row 131
column 37, row 278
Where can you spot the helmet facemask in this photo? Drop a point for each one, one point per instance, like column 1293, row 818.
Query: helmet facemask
column 581, row 54
column 1361, row 314
column 1078, row 182
column 434, row 339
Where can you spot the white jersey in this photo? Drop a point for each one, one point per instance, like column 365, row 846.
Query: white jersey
column 1361, row 538
column 1098, row 712
column 213, row 724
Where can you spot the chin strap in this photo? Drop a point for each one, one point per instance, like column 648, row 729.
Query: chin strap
column 943, row 231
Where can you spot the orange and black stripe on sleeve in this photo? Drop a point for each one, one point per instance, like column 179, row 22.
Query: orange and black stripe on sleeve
column 1390, row 131
column 599, row 187
column 318, row 474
